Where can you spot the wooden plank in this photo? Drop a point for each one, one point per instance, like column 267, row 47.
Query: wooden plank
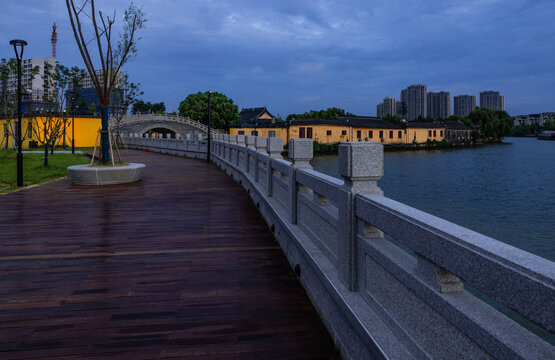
column 179, row 265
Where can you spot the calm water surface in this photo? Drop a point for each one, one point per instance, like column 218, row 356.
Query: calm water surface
column 504, row 191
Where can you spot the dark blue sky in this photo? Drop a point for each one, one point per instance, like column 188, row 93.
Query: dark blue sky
column 293, row 56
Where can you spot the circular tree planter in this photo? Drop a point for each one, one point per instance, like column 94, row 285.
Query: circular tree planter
column 105, row 175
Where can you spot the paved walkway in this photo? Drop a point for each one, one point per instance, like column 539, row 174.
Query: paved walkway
column 180, row 265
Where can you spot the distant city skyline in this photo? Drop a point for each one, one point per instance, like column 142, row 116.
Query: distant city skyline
column 296, row 56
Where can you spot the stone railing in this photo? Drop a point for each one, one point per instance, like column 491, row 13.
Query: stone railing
column 142, row 118
column 393, row 296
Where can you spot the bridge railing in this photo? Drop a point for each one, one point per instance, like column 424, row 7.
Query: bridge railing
column 151, row 117
column 390, row 281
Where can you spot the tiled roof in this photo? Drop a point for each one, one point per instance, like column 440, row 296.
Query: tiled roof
column 251, row 115
column 456, row 125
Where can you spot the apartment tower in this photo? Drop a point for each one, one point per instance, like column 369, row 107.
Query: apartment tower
column 492, row 100
column 415, row 98
column 464, row 104
column 439, row 104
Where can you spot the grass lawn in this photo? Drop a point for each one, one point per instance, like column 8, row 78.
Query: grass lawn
column 33, row 172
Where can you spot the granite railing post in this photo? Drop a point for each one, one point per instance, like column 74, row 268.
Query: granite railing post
column 300, row 152
column 274, row 148
column 241, row 145
column 260, row 142
column 250, row 146
column 232, row 147
column 361, row 165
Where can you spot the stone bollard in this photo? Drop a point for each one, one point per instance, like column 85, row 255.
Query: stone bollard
column 300, row 152
column 274, row 147
column 361, row 165
column 249, row 140
column 232, row 149
column 241, row 140
column 260, row 142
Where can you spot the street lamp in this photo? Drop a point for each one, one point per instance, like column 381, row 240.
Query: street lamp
column 21, row 44
column 209, row 121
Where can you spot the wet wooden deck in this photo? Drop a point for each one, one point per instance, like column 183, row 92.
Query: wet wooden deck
column 180, row 265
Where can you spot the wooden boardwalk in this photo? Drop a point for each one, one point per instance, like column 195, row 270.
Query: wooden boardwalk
column 180, row 265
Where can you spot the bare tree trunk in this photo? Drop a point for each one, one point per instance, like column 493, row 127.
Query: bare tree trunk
column 46, row 154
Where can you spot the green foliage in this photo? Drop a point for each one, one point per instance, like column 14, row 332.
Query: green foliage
column 440, row 144
column 520, row 130
column 329, row 113
column 33, row 170
column 392, row 118
column 319, row 148
column 140, row 106
column 224, row 111
column 493, row 124
column 549, row 125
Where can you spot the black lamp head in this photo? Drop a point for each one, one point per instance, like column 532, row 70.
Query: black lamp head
column 18, row 42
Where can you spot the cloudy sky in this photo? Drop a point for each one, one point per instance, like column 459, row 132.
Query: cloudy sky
column 297, row 55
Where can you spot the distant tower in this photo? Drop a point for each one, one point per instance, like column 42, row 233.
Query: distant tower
column 54, row 39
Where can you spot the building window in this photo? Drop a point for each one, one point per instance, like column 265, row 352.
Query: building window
column 381, row 134
column 271, row 134
column 399, row 134
column 343, row 132
column 359, row 134
column 434, row 133
column 302, row 133
column 429, row 133
column 328, row 132
column 441, row 133
column 241, row 132
column 391, row 134
column 254, row 133
column 309, row 132
column 370, row 134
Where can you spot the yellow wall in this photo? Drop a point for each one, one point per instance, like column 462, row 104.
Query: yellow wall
column 320, row 133
column 347, row 133
column 422, row 135
column 280, row 132
column 85, row 131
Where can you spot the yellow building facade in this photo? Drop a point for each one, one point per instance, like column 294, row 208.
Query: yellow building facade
column 84, row 128
column 351, row 129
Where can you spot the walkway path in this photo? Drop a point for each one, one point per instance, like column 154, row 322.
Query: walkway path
column 179, row 265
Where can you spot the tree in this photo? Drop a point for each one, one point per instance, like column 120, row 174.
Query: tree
column 492, row 124
column 52, row 119
column 123, row 98
column 549, row 125
column 8, row 101
column 111, row 56
column 224, row 111
column 392, row 118
column 329, row 113
column 140, row 107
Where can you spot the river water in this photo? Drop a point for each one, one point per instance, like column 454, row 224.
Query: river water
column 504, row 191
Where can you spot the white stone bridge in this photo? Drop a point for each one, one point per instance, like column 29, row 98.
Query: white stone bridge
column 170, row 126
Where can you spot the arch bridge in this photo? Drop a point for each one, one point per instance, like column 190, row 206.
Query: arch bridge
column 168, row 125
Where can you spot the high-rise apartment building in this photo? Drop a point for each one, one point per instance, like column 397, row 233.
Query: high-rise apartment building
column 415, row 98
column 387, row 107
column 464, row 104
column 492, row 100
column 439, row 104
column 32, row 83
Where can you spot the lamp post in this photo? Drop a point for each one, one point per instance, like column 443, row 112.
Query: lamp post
column 21, row 44
column 209, row 121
